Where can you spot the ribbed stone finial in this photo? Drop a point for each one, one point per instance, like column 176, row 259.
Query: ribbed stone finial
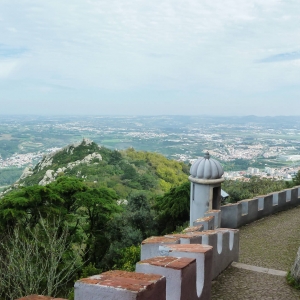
column 206, row 155
column 206, row 168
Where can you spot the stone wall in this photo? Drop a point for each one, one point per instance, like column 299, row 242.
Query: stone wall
column 249, row 210
column 182, row 266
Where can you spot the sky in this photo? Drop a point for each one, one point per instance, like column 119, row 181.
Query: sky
column 158, row 57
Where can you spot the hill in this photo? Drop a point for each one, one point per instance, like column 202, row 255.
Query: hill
column 74, row 199
column 124, row 171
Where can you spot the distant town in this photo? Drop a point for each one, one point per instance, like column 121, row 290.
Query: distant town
column 245, row 146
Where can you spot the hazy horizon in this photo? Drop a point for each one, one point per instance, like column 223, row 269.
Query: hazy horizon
column 140, row 115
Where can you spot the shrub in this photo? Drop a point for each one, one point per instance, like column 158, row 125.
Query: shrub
column 37, row 261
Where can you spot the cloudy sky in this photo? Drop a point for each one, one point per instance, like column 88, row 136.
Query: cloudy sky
column 126, row 57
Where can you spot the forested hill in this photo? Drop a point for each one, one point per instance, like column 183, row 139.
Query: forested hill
column 71, row 207
column 123, row 171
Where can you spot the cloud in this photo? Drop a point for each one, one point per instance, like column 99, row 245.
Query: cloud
column 161, row 47
column 8, row 52
column 295, row 55
column 7, row 67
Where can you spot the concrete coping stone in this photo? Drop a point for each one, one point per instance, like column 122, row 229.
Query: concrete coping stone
column 207, row 232
column 210, row 232
column 261, row 196
column 246, row 200
column 193, row 229
column 205, row 219
column 259, row 269
column 188, row 235
column 227, row 229
column 160, row 239
column 195, row 233
column 232, row 204
column 39, row 297
column 198, row 248
column 213, row 211
column 177, row 263
column 132, row 281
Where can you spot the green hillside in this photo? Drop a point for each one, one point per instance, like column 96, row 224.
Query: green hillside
column 124, row 171
column 85, row 209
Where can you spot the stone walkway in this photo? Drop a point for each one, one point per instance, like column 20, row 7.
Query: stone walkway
column 270, row 243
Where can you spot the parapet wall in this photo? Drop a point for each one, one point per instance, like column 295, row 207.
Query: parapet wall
column 184, row 274
column 172, row 267
column 249, row 210
column 224, row 242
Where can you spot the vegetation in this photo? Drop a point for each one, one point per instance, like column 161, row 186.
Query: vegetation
column 296, row 180
column 8, row 147
column 239, row 190
column 9, row 175
column 83, row 211
column 173, row 208
column 292, row 281
column 37, row 261
column 123, row 171
column 107, row 207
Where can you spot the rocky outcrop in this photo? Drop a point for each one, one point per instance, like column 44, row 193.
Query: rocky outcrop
column 26, row 173
column 49, row 163
column 86, row 160
column 51, row 175
column 46, row 162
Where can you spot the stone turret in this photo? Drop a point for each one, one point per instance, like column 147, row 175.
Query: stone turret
column 206, row 178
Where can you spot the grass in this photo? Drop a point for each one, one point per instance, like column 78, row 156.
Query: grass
column 292, row 281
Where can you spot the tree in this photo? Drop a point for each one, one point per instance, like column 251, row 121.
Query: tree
column 173, row 208
column 129, row 228
column 37, row 261
column 96, row 208
column 239, row 190
column 83, row 210
column 140, row 214
column 115, row 157
column 296, row 179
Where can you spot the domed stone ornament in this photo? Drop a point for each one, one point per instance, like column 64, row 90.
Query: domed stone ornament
column 206, row 168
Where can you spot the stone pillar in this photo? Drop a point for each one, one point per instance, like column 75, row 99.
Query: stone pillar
column 180, row 273
column 121, row 285
column 151, row 245
column 204, row 259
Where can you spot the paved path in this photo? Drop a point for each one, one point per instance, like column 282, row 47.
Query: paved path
column 270, row 243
